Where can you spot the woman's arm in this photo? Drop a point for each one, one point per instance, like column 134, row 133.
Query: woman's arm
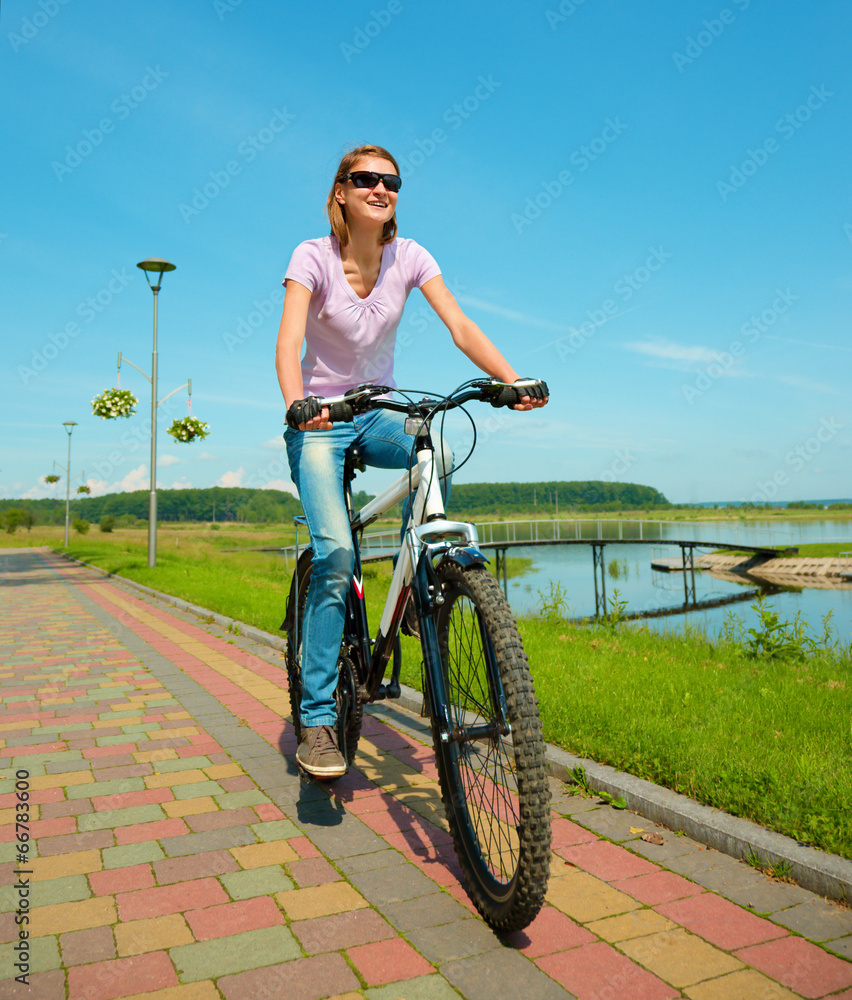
column 469, row 339
column 288, row 351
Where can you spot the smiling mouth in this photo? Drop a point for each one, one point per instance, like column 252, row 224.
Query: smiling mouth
column 378, row 204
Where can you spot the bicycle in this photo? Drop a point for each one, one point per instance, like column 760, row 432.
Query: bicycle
column 476, row 682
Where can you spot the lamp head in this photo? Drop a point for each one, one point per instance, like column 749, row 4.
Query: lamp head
column 155, row 265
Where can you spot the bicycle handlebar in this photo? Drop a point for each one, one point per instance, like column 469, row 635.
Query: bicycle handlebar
column 373, row 397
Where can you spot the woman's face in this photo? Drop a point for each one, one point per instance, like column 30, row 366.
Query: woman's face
column 371, row 207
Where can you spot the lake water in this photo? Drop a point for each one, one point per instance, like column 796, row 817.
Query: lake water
column 571, row 568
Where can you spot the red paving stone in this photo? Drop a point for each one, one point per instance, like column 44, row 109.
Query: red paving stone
column 720, row 922
column 234, row 918
column 802, row 966
column 342, row 930
column 313, row 871
column 194, row 866
column 566, row 834
column 595, row 971
column 126, row 800
column 109, row 980
column 81, row 947
column 551, row 931
column 658, row 887
column 150, row 831
column 607, row 861
column 110, row 882
column 219, row 819
column 304, row 847
column 388, row 961
column 159, row 901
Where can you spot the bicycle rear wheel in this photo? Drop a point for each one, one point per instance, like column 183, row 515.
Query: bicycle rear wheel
column 350, row 710
column 493, row 775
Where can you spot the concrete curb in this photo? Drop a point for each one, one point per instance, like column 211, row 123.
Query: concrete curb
column 827, row 875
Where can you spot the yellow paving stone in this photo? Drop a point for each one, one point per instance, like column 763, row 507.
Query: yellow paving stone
column 170, row 778
column 630, row 925
column 748, row 984
column 189, row 991
column 189, row 807
column 320, row 900
column 56, row 701
column 62, row 780
column 152, row 934
column 223, row 771
column 174, row 716
column 60, row 865
column 347, row 996
column 8, row 815
column 584, row 897
column 276, row 852
column 59, row 918
column 149, row 756
column 680, row 958
column 183, row 731
column 125, row 720
column 20, row 726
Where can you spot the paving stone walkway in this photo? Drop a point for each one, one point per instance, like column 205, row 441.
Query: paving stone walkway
column 175, row 854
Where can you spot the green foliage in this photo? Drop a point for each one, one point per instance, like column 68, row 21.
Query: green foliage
column 106, row 523
column 776, row 639
column 14, row 519
column 553, row 606
column 541, row 498
column 616, row 615
column 80, row 525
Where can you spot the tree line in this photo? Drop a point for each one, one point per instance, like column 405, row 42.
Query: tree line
column 255, row 506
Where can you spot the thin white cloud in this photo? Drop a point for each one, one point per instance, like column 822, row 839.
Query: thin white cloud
column 206, row 456
column 282, row 484
column 510, row 314
column 167, row 460
column 667, row 350
column 181, row 484
column 136, row 479
column 276, row 443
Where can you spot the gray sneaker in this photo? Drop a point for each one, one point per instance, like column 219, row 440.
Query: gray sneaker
column 318, row 753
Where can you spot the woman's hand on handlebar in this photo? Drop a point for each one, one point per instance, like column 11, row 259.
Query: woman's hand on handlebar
column 533, row 396
column 308, row 415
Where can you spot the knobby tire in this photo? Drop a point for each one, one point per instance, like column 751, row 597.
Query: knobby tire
column 494, row 787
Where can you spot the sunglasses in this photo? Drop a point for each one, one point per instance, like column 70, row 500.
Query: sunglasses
column 369, row 179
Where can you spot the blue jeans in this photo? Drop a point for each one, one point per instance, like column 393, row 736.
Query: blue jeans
column 316, row 465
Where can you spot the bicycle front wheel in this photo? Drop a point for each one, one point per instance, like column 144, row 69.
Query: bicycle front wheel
column 492, row 771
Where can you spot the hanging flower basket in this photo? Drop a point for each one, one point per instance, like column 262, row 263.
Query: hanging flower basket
column 113, row 403
column 84, row 489
column 52, row 478
column 188, row 429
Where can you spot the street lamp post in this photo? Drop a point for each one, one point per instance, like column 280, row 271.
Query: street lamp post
column 69, row 426
column 154, row 265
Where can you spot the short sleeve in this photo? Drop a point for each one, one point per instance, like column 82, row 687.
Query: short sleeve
column 306, row 266
column 421, row 265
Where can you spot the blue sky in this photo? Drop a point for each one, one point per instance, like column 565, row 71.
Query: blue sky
column 647, row 204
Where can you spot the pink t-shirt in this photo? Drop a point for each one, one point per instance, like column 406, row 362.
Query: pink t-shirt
column 349, row 340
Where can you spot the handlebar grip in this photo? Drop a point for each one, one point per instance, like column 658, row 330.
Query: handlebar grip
column 340, row 412
column 507, row 396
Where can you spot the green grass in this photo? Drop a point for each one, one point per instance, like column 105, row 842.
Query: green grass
column 766, row 738
column 814, row 550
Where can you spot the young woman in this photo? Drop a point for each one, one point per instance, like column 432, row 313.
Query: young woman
column 344, row 300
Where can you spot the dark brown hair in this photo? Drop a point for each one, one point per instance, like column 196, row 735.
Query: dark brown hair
column 335, row 211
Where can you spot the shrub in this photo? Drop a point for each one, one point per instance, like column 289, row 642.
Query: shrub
column 106, row 523
column 80, row 526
